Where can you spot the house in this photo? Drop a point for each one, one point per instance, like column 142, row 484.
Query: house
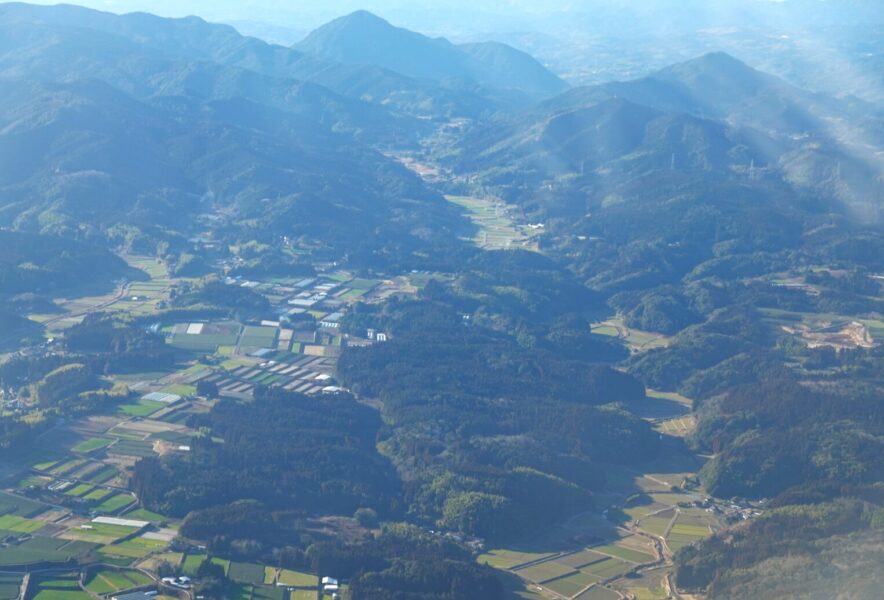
column 330, row 585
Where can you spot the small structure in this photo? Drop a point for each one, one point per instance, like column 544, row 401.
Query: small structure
column 330, row 585
column 162, row 398
column 381, row 337
column 181, row 582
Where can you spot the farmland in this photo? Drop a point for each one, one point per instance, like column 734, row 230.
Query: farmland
column 497, row 230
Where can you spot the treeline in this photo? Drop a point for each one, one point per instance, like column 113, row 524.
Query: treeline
column 286, row 450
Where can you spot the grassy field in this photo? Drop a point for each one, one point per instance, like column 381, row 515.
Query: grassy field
column 60, row 588
column 142, row 408
column 9, row 586
column 297, row 578
column 246, row 573
column 109, row 581
column 19, row 524
column 507, row 559
column 545, row 571
column 91, row 445
column 598, row 593
column 572, row 584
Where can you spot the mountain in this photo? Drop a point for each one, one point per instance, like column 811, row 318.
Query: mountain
column 362, row 38
column 719, row 86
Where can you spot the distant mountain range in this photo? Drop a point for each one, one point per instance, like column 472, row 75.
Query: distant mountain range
column 45, row 39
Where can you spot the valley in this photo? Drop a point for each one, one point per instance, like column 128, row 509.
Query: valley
column 379, row 315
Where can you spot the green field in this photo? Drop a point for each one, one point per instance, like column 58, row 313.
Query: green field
column 22, row 507
column 608, row 568
column 581, row 559
column 598, row 593
column 625, row 553
column 9, row 586
column 142, row 408
column 101, row 532
column 507, row 559
column 268, row 593
column 134, row 548
column 136, row 448
column 297, row 578
column 246, row 573
column 192, row 563
column 572, row 584
column 91, row 445
column 19, row 524
column 60, row 588
column 545, row 571
column 114, row 503
column 37, row 550
column 258, row 337
column 109, row 581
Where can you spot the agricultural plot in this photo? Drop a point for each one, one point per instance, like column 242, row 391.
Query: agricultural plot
column 191, row 563
column 134, row 548
column 109, row 581
column 657, row 524
column 258, row 337
column 571, row 585
column 598, row 592
column 91, row 445
column 246, row 573
column 677, row 427
column 22, row 507
column 686, row 530
column 647, row 586
column 17, row 524
column 43, row 550
column 628, row 554
column 141, row 408
column 581, row 559
column 114, row 503
column 545, row 571
column 99, row 533
column 60, row 588
column 268, row 593
column 297, row 578
column 134, row 448
column 507, row 559
column 9, row 586
column 610, row 567
column 204, row 337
